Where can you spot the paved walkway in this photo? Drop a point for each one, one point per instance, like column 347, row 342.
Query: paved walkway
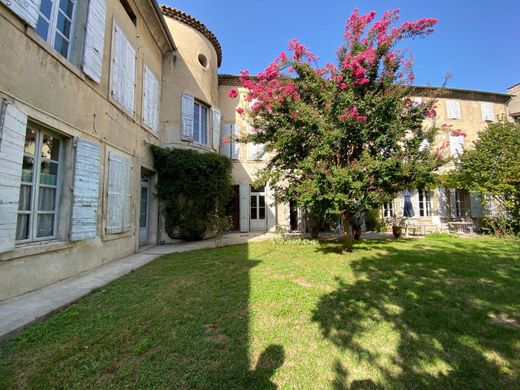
column 19, row 311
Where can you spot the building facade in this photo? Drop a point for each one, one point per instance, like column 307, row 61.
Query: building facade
column 87, row 86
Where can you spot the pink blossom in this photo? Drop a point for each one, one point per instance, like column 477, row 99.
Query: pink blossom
column 294, row 115
column 226, row 140
column 343, row 86
column 233, row 93
column 431, row 113
column 240, row 110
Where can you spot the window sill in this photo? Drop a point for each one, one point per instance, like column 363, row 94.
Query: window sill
column 35, row 248
column 117, row 236
column 53, row 53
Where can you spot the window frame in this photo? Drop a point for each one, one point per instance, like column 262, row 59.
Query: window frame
column 425, row 203
column 35, row 185
column 388, row 209
column 53, row 30
column 198, row 121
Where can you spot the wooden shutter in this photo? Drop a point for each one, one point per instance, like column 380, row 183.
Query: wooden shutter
column 453, row 109
column 119, row 194
column 150, row 99
column 442, row 202
column 216, row 128
column 235, row 144
column 251, row 147
column 94, row 40
column 122, row 75
column 270, row 208
column 188, row 111
column 414, row 197
column 456, row 145
column 129, row 77
column 225, row 146
column 488, row 112
column 28, row 10
column 453, row 203
column 13, row 126
column 476, row 205
column 86, row 191
column 245, row 193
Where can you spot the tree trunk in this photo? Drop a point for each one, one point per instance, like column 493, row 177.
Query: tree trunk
column 347, row 237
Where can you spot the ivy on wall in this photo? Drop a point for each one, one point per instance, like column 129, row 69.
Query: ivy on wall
column 194, row 189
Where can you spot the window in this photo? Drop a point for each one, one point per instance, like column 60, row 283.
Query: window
column 487, row 111
column 200, row 124
column 461, row 203
column 456, row 145
column 453, row 109
column 122, row 75
column 388, row 209
column 40, row 183
column 425, row 204
column 119, row 193
column 151, row 92
column 55, row 24
column 257, row 203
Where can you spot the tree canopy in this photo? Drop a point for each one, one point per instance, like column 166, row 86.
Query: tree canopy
column 343, row 138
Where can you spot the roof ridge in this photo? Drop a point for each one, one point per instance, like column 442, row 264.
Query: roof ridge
column 189, row 20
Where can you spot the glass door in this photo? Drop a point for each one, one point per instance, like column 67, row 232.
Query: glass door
column 257, row 212
column 143, row 211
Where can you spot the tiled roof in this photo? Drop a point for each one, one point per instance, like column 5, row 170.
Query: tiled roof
column 196, row 24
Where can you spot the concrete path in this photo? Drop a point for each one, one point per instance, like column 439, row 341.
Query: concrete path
column 20, row 311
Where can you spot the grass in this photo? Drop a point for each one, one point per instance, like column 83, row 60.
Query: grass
column 441, row 312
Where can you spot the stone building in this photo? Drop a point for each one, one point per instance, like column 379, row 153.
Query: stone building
column 85, row 87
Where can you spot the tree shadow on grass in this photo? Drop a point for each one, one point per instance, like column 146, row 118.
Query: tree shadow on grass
column 421, row 317
column 181, row 322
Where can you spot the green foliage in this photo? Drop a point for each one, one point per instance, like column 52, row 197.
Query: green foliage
column 373, row 220
column 194, row 189
column 492, row 167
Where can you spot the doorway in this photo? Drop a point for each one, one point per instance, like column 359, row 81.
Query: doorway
column 144, row 212
column 257, row 209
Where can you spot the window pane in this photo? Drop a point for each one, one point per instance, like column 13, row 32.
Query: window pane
column 253, row 213
column 45, row 225
column 262, row 213
column 253, row 201
column 49, row 173
column 25, row 198
column 50, row 147
column 45, row 8
column 262, row 201
column 30, row 142
column 61, row 45
column 27, row 169
column 22, row 227
column 63, row 25
column 204, row 125
column 42, row 28
column 47, row 199
column 196, row 123
column 67, row 6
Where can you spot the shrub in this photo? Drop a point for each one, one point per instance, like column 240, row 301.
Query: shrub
column 194, row 189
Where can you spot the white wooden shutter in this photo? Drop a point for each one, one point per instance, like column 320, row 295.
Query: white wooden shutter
column 453, row 203
column 13, row 125
column 86, row 191
column 245, row 193
column 476, row 205
column 456, row 145
column 252, row 151
column 188, row 111
column 235, row 144
column 225, row 146
column 122, row 74
column 129, row 77
column 414, row 197
column 271, row 208
column 216, row 128
column 127, row 195
column 488, row 112
column 453, row 109
column 442, row 202
column 150, row 99
column 94, row 40
column 119, row 194
column 28, row 10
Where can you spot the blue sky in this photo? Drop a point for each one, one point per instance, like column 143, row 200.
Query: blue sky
column 478, row 41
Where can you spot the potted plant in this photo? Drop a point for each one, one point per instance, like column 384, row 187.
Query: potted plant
column 397, row 224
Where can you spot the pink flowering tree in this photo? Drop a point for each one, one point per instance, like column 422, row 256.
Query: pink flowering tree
column 342, row 138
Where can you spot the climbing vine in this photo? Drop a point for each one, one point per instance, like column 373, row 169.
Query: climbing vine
column 194, row 189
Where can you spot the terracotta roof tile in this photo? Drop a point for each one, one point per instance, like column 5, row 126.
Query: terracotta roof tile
column 196, row 24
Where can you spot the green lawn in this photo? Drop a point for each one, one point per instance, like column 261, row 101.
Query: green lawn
column 441, row 312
